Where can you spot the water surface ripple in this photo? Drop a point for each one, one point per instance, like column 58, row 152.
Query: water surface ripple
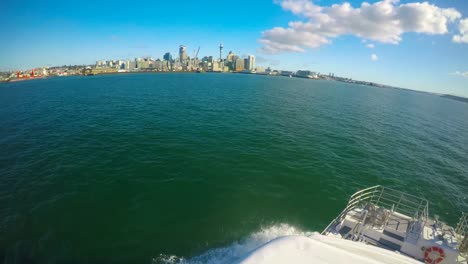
column 124, row 168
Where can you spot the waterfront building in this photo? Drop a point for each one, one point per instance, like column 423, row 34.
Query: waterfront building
column 145, row 63
column 127, row 65
column 250, row 63
column 101, row 63
column 150, row 62
column 216, row 66
column 206, row 66
column 158, row 65
column 183, row 54
column 120, row 65
column 231, row 65
column 168, row 60
column 207, row 59
column 138, row 63
column 132, row 65
column 176, row 65
column 231, row 61
column 239, row 64
column 167, row 56
column 287, row 73
column 230, row 57
column 307, row 74
column 260, row 69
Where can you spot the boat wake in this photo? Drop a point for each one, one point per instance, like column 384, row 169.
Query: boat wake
column 237, row 250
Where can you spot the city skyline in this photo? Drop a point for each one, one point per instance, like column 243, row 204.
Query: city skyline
column 184, row 62
column 427, row 52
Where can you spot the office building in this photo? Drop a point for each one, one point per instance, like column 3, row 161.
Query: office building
column 183, row 54
column 239, row 65
column 250, row 63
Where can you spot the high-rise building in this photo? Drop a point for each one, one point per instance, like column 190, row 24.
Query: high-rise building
column 138, row 62
column 143, row 64
column 101, row 63
column 250, row 63
column 221, row 51
column 231, row 60
column 168, row 60
column 120, row 64
column 207, row 59
column 132, row 65
column 167, row 56
column 216, row 66
column 127, row 64
column 183, row 54
column 239, row 64
column 159, row 65
column 230, row 56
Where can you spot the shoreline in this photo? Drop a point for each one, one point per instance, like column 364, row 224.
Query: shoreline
column 24, row 79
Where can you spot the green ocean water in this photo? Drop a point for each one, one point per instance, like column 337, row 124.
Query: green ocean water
column 201, row 168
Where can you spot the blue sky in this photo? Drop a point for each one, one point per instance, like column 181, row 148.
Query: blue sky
column 418, row 54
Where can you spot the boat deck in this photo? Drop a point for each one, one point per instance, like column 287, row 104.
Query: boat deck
column 398, row 222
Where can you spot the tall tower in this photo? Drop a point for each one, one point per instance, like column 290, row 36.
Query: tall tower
column 250, row 62
column 182, row 54
column 221, row 52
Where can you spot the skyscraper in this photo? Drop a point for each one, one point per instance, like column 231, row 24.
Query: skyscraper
column 168, row 60
column 239, row 64
column 221, row 52
column 183, row 54
column 167, row 56
column 250, row 63
column 230, row 56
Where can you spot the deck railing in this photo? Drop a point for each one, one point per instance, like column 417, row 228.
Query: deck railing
column 396, row 201
column 462, row 226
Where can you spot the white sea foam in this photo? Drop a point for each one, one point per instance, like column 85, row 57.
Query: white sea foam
column 287, row 244
column 237, row 250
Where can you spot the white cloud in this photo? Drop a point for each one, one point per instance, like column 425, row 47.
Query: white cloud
column 370, row 46
column 262, row 61
column 459, row 73
column 384, row 21
column 374, row 57
column 463, row 29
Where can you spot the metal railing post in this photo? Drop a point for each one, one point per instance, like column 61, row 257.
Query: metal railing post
column 398, row 204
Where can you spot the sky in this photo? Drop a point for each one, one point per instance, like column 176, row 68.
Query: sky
column 408, row 43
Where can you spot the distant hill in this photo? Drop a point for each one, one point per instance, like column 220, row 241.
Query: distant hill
column 453, row 97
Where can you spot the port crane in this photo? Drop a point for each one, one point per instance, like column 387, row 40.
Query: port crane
column 195, row 58
column 196, row 55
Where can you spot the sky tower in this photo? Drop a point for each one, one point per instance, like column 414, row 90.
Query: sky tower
column 221, row 51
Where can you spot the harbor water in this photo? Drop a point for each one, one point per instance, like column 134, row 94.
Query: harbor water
column 202, row 168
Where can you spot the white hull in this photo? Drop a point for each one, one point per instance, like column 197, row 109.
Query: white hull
column 319, row 249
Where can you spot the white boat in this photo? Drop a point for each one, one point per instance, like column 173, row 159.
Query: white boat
column 378, row 225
